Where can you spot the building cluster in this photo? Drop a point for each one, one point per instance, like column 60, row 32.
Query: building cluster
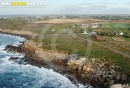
column 92, row 25
column 85, row 27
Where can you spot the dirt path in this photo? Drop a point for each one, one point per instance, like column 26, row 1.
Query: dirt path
column 113, row 50
column 108, row 48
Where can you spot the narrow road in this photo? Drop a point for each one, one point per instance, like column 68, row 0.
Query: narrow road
column 112, row 50
column 108, row 48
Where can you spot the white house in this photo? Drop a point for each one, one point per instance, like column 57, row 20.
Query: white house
column 85, row 32
column 93, row 33
column 53, row 30
column 94, row 25
column 85, row 25
column 89, row 33
column 121, row 33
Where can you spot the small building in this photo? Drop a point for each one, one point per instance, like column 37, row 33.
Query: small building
column 94, row 25
column 89, row 33
column 63, row 17
column 85, row 25
column 121, row 33
column 53, row 30
column 85, row 32
column 93, row 33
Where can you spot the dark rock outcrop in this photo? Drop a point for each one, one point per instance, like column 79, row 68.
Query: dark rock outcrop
column 96, row 72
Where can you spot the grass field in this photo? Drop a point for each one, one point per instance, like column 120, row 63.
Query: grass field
column 78, row 46
column 65, row 42
column 127, row 39
column 115, row 26
column 12, row 24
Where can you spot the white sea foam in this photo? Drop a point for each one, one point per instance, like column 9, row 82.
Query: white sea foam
column 10, row 40
column 42, row 77
column 28, row 76
column 2, row 47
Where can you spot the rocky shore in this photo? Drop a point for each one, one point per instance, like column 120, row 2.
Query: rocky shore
column 97, row 72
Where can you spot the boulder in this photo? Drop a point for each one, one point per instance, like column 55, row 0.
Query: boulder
column 116, row 86
column 70, row 57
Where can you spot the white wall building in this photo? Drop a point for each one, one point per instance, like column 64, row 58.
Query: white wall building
column 85, row 25
column 121, row 33
column 94, row 25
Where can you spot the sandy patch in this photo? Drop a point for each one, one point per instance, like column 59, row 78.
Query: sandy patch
column 118, row 39
column 59, row 21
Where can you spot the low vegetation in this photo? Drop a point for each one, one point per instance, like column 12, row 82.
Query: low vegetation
column 67, row 42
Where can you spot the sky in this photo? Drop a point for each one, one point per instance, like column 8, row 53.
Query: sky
column 71, row 7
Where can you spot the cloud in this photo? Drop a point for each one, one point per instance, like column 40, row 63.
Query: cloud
column 119, row 10
column 96, row 8
column 84, row 4
column 85, row 7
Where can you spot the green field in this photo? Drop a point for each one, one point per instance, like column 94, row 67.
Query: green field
column 127, row 39
column 78, row 46
column 114, row 26
column 12, row 24
column 65, row 42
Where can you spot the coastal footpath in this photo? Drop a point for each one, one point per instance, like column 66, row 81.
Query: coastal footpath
column 97, row 72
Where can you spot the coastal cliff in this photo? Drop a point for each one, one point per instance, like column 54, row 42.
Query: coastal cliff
column 97, row 72
column 48, row 57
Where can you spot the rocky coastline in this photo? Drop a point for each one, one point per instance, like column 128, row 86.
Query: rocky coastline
column 97, row 72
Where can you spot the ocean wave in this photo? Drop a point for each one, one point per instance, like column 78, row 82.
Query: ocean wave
column 32, row 77
column 14, row 75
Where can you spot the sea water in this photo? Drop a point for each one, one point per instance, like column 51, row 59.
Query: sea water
column 14, row 75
